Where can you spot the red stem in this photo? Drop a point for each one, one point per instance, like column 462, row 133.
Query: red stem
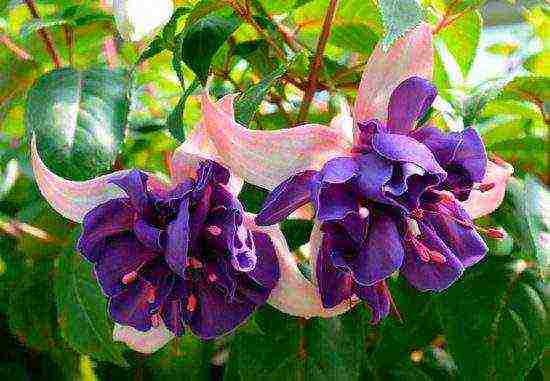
column 48, row 41
column 317, row 61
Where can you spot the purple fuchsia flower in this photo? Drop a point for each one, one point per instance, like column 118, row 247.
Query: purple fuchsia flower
column 388, row 194
column 179, row 254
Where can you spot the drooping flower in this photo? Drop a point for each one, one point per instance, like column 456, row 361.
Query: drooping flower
column 386, row 192
column 175, row 255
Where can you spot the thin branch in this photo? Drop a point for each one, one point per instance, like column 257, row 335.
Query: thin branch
column 347, row 71
column 14, row 48
column 69, row 40
column 317, row 61
column 285, row 34
column 46, row 37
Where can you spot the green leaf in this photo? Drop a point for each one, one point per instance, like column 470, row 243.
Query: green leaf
column 248, row 102
column 496, row 320
column 398, row 17
column 202, row 9
column 33, row 25
column 355, row 37
column 175, row 122
column 538, row 63
column 531, row 88
column 203, row 39
column 184, row 358
column 82, row 310
column 79, row 118
column 503, row 48
column 292, row 349
column 462, row 39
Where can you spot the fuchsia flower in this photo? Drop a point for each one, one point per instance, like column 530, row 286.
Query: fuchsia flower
column 388, row 194
column 175, row 255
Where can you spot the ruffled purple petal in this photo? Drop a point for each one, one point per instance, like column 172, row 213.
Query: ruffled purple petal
column 366, row 131
column 161, row 278
column 431, row 275
column 177, row 240
column 380, row 255
column 214, row 315
column 266, row 273
column 335, row 285
column 288, row 196
column 135, row 185
column 470, row 154
column 408, row 103
column 131, row 307
column 374, row 173
column 122, row 255
column 209, row 172
column 464, row 241
column 339, row 170
column 443, row 145
column 174, row 311
column 149, row 236
column 377, row 298
column 404, row 149
column 111, row 218
column 335, row 201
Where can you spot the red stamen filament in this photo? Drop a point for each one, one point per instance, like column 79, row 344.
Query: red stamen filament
column 490, row 232
column 426, row 254
column 194, row 263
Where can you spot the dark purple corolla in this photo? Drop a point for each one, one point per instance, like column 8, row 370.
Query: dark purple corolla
column 392, row 205
column 179, row 257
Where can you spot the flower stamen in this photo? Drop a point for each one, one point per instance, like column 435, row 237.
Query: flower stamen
column 130, row 277
column 191, row 303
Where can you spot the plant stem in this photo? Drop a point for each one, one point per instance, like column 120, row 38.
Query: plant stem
column 14, row 48
column 46, row 37
column 317, row 61
column 69, row 40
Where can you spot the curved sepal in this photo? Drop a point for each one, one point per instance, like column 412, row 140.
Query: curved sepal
column 144, row 342
column 72, row 199
column 266, row 158
column 496, row 176
column 410, row 56
column 197, row 147
column 294, row 294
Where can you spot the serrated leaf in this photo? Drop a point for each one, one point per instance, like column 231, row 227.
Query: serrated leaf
column 496, row 320
column 398, row 17
column 82, row 310
column 79, row 118
column 462, row 39
column 248, row 102
column 203, row 39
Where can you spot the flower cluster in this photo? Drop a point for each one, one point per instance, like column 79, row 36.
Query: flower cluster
column 390, row 192
column 392, row 205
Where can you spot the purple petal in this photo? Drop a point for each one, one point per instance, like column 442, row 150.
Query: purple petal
column 113, row 217
column 432, row 275
column 174, row 312
column 335, row 285
column 374, row 173
column 378, row 257
column 334, row 201
column 288, row 196
column 408, row 103
column 135, row 185
column 209, row 171
column 339, row 170
column 266, row 273
column 122, row 255
column 131, row 307
column 377, row 298
column 442, row 145
column 159, row 275
column 366, row 131
column 214, row 316
column 405, row 149
column 177, row 241
column 148, row 235
column 464, row 241
column 470, row 154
